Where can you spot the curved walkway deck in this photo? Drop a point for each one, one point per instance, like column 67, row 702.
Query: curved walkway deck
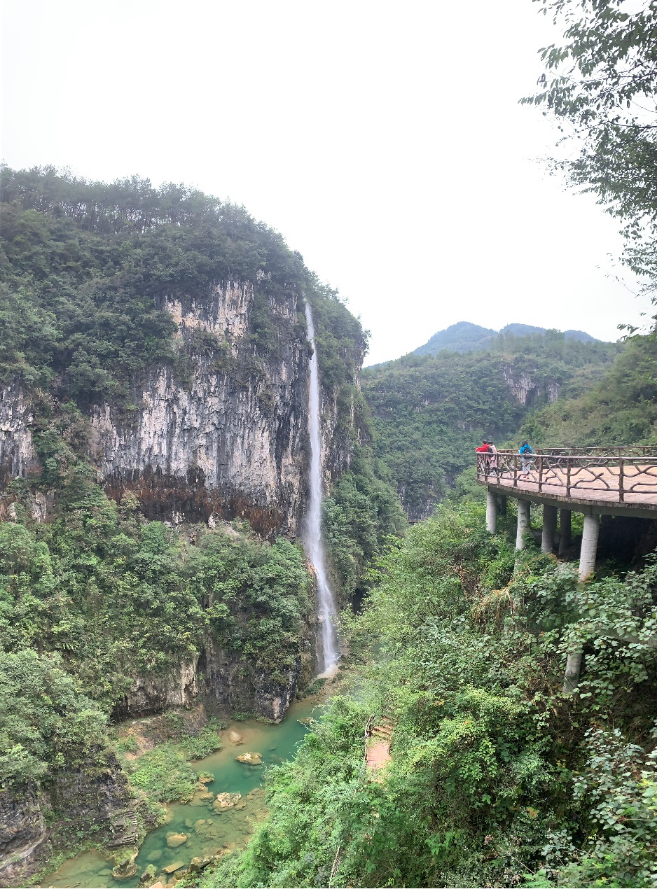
column 615, row 480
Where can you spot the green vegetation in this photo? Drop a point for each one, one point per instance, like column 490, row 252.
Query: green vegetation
column 87, row 269
column 45, row 720
column 620, row 410
column 600, row 85
column 496, row 777
column 98, row 596
column 429, row 412
column 163, row 775
column 360, row 514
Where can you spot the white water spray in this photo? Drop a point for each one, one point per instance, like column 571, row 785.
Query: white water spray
column 314, row 545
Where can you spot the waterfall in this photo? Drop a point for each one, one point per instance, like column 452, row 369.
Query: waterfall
column 314, row 544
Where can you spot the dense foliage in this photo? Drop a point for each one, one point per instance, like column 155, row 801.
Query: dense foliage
column 431, row 411
column 619, row 410
column 87, row 268
column 496, row 777
column 99, row 596
column 601, row 87
column 359, row 515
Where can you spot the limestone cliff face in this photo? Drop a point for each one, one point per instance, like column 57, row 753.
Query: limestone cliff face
column 218, row 432
column 34, row 822
column 17, row 455
column 226, row 684
column 223, row 436
column 526, row 390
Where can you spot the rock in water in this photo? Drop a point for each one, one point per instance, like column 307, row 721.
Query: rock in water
column 252, row 759
column 171, row 868
column 235, row 737
column 148, row 875
column 126, row 868
column 176, row 839
column 226, row 801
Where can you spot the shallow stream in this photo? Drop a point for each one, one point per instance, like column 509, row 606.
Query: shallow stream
column 207, row 831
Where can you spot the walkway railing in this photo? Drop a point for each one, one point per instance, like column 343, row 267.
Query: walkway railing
column 610, row 474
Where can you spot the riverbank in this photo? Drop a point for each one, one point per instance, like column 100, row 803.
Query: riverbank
column 208, row 830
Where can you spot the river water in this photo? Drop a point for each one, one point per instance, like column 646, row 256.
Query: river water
column 207, row 831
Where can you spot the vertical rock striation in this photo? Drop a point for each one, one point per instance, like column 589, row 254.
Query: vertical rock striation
column 220, row 431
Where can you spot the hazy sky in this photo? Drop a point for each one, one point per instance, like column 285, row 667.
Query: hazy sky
column 385, row 141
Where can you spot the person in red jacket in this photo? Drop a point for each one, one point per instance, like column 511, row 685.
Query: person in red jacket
column 484, row 463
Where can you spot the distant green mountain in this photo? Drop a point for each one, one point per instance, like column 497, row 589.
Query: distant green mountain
column 430, row 411
column 467, row 337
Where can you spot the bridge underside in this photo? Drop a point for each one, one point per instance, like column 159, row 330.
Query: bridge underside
column 558, row 509
column 577, row 502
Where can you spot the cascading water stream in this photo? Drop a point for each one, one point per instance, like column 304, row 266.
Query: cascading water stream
column 314, row 545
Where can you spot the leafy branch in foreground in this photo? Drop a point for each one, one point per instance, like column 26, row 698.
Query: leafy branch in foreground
column 601, row 81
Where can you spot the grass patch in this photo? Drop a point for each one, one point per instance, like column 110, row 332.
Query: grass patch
column 202, row 745
column 163, row 774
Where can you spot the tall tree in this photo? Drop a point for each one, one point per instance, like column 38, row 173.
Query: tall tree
column 600, row 84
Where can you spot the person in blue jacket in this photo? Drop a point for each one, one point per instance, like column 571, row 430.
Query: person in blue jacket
column 525, row 452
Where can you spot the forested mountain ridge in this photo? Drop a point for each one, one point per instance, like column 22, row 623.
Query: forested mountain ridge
column 466, row 337
column 619, row 410
column 429, row 411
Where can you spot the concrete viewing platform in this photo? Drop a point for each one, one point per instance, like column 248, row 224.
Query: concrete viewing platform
column 592, row 481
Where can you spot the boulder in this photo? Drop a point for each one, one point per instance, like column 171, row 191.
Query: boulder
column 126, row 868
column 252, row 759
column 148, row 875
column 235, row 737
column 171, row 868
column 176, row 839
column 226, row 801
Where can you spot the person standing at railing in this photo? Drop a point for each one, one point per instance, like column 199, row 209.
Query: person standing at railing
column 483, row 462
column 492, row 460
column 526, row 453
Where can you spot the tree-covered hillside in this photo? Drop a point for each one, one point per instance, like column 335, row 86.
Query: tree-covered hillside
column 620, row 410
column 429, row 412
column 496, row 777
column 467, row 337
column 94, row 598
column 87, row 267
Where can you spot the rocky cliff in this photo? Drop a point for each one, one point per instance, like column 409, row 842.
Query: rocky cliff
column 35, row 821
column 157, row 336
column 216, row 433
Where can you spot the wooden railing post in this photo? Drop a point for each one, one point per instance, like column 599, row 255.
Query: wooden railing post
column 515, row 470
column 621, row 480
column 540, row 473
column 568, row 465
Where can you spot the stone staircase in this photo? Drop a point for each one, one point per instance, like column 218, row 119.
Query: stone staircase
column 378, row 739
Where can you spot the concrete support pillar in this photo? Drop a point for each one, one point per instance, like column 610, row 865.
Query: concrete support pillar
column 491, row 513
column 549, row 528
column 565, row 517
column 523, row 523
column 586, row 568
column 571, row 678
column 589, row 546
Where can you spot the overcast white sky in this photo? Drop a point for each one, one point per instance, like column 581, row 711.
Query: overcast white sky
column 385, row 141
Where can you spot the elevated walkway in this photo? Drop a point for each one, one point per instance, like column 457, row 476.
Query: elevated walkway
column 593, row 481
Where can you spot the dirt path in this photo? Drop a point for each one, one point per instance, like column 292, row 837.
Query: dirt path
column 377, row 746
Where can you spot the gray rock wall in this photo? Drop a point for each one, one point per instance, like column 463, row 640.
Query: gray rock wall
column 206, row 436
